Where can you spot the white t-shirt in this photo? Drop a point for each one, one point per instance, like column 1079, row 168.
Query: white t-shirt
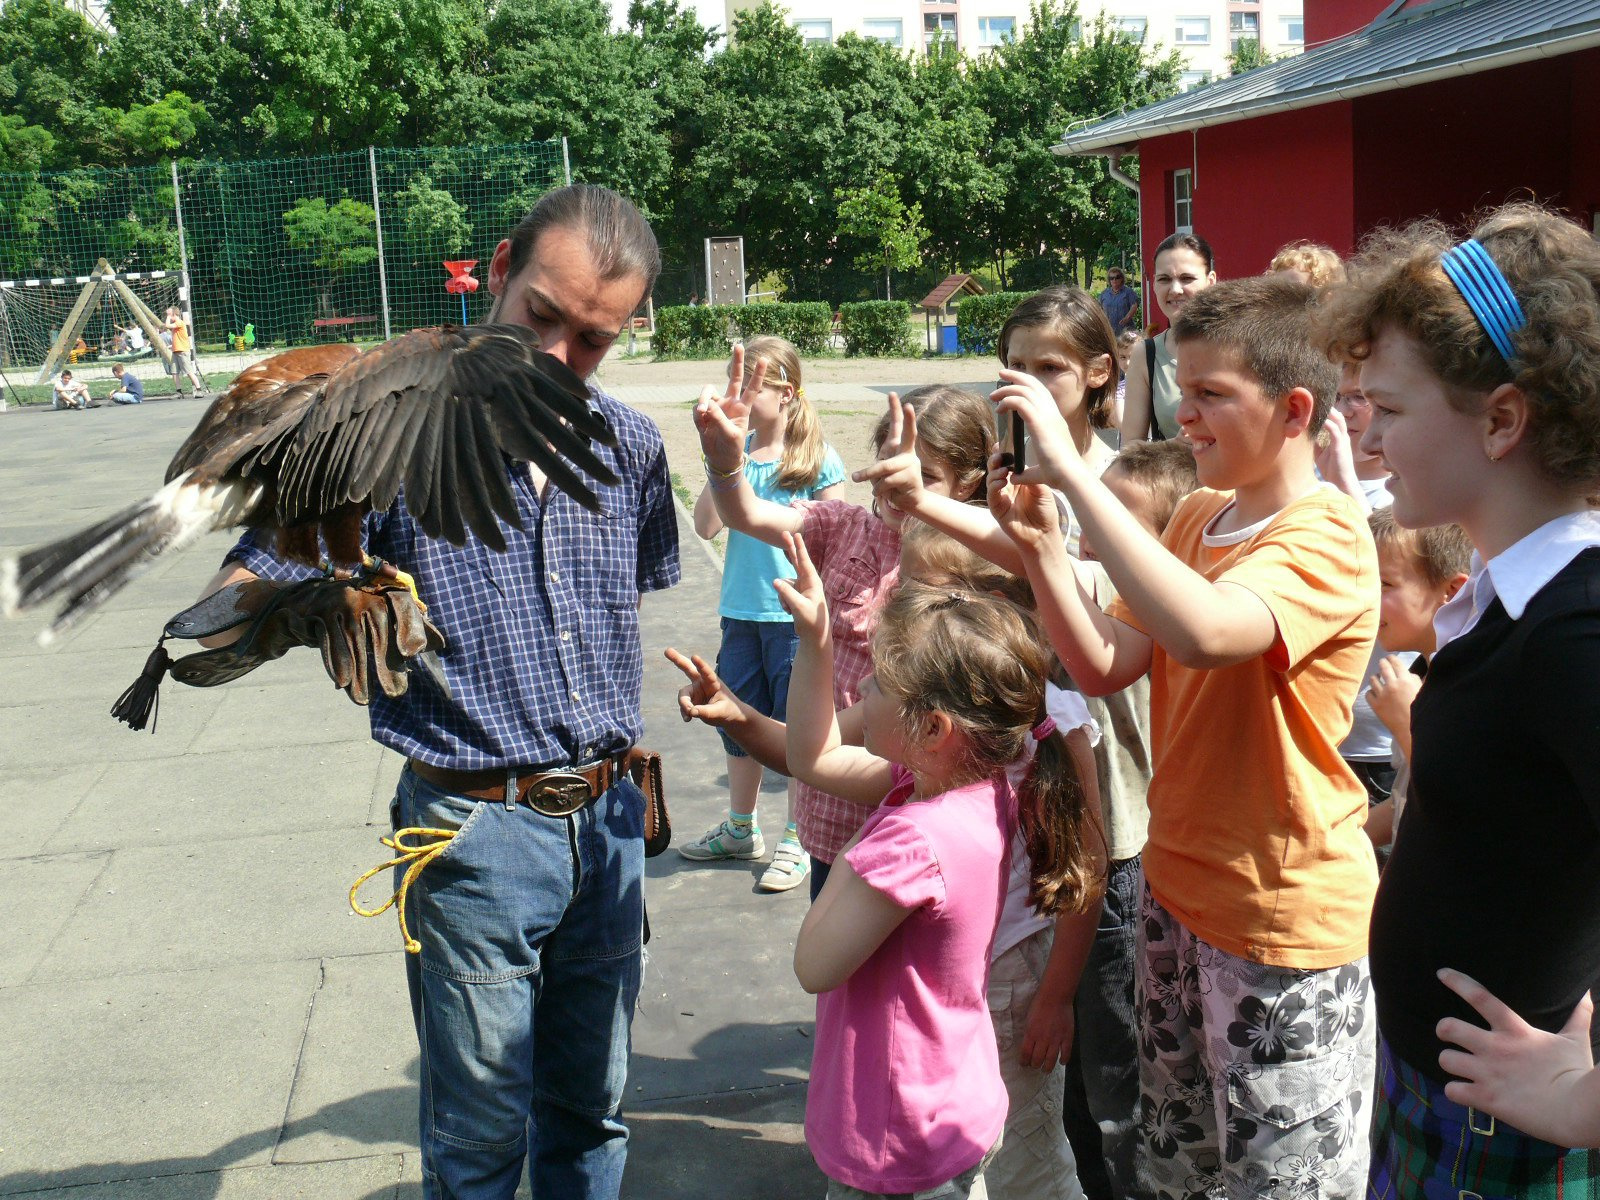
column 1018, row 919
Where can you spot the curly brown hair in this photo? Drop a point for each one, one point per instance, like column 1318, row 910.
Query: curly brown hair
column 981, row 661
column 1553, row 267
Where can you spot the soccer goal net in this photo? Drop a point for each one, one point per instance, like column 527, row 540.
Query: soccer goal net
column 91, row 320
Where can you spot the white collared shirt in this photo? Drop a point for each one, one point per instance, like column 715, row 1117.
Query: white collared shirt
column 1518, row 573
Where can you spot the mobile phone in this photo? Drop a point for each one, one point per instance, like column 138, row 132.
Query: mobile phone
column 1011, row 437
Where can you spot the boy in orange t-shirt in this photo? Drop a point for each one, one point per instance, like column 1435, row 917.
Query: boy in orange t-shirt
column 1255, row 615
column 182, row 351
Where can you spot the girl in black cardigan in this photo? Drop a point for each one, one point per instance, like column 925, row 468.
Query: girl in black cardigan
column 1481, row 360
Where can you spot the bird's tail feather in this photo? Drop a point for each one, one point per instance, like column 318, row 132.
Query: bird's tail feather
column 93, row 564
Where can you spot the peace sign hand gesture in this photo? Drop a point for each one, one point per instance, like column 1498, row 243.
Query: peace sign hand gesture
column 802, row 597
column 722, row 420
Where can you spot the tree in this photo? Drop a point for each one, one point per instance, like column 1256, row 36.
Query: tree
column 762, row 139
column 1248, row 54
column 435, row 222
column 892, row 231
column 48, row 60
column 338, row 237
column 1052, row 211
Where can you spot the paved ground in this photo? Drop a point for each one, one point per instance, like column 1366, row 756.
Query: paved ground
column 192, row 1010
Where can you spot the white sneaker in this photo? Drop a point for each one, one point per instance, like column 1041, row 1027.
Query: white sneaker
column 723, row 842
column 789, row 867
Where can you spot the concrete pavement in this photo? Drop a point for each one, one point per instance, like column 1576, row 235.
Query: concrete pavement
column 192, row 1009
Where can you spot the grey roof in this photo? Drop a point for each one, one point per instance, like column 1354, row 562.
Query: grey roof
column 1440, row 40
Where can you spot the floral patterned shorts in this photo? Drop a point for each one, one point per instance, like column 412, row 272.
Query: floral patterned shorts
column 1254, row 1080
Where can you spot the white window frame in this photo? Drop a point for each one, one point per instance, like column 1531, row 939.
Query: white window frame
column 1137, row 28
column 1183, row 200
column 1189, row 80
column 945, row 33
column 899, row 26
column 1179, row 38
column 807, row 27
column 1286, row 26
column 986, row 38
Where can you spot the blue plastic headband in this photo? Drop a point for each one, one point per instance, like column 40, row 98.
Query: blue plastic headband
column 1486, row 292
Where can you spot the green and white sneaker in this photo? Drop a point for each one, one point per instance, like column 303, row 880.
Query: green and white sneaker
column 789, row 867
column 724, row 842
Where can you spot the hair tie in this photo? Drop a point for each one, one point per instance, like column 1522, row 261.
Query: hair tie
column 800, row 393
column 1044, row 729
column 1487, row 293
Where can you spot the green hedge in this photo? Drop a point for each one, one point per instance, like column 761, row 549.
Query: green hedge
column 705, row 331
column 979, row 320
column 877, row 327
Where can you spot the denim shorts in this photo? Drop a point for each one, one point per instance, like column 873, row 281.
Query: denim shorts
column 754, row 662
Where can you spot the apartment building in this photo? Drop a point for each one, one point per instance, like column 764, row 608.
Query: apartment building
column 1204, row 31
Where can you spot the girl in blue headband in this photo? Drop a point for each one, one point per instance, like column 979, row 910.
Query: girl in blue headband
column 1481, row 360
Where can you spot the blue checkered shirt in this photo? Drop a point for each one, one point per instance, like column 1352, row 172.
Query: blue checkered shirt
column 543, row 658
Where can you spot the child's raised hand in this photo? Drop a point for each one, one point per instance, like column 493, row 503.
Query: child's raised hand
column 1025, row 512
column 1051, row 450
column 1391, row 691
column 897, row 475
column 1333, row 457
column 802, row 597
column 1519, row 1074
column 723, row 418
column 704, row 697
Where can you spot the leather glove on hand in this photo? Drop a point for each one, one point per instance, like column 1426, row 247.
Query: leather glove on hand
column 361, row 631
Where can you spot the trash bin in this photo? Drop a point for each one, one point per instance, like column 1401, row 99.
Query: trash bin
column 947, row 340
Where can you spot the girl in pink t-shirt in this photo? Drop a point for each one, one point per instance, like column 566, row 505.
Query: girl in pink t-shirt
column 906, row 1094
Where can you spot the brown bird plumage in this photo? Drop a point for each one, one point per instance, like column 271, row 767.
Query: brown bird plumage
column 305, row 443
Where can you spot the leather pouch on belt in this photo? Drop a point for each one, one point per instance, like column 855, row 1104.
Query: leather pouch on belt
column 644, row 768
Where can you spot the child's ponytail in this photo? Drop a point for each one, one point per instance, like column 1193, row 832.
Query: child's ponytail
column 1062, row 834
column 803, row 447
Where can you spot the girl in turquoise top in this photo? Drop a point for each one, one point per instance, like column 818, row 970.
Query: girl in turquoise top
column 785, row 460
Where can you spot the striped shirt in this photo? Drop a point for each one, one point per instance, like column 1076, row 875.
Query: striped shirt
column 543, row 654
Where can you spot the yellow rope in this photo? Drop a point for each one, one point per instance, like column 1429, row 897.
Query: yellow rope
column 418, row 856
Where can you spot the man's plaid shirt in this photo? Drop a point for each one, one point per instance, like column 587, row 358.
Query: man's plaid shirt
column 543, row 658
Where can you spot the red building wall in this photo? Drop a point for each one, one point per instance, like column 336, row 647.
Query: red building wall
column 1334, row 172
column 1329, row 19
column 1257, row 185
column 1449, row 148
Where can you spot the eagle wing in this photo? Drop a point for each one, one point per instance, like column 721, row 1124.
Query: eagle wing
column 437, row 411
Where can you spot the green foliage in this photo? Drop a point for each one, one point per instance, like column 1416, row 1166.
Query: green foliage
column 877, row 327
column 706, row 331
column 892, row 232
column 1248, row 55
column 435, row 222
column 979, row 320
column 156, row 130
column 338, row 237
column 691, row 331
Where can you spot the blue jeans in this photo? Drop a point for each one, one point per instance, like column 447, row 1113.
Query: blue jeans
column 1102, row 1101
column 120, row 397
column 524, row 992
column 754, row 661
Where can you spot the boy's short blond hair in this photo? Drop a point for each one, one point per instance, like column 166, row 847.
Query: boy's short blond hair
column 1165, row 470
column 1440, row 552
column 1318, row 263
column 1267, row 322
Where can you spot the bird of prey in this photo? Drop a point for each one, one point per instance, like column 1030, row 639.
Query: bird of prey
column 302, row 445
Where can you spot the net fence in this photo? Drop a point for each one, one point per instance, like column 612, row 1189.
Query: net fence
column 279, row 252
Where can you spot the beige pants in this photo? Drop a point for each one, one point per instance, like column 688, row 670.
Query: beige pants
column 1035, row 1159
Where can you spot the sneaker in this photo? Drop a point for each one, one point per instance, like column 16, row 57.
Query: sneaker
column 722, row 842
column 789, row 867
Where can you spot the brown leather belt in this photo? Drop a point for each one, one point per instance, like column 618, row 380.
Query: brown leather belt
column 553, row 793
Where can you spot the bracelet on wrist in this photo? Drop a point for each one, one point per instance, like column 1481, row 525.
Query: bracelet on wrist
column 729, row 482
column 738, row 467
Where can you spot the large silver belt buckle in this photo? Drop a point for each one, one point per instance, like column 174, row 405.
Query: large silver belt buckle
column 560, row 794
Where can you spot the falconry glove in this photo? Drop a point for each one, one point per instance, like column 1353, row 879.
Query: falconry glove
column 364, row 629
